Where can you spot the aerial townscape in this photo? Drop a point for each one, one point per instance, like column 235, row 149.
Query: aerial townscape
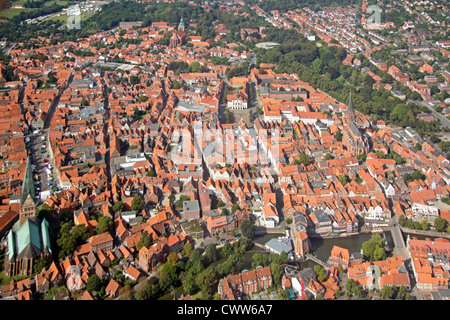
column 233, row 150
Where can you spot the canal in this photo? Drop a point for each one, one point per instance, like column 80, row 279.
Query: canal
column 321, row 248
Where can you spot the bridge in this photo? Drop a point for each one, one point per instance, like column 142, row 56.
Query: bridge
column 316, row 260
column 399, row 242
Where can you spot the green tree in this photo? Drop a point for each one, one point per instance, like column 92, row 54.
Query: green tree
column 66, row 244
column 145, row 241
column 417, row 175
column 94, row 283
column 373, row 249
column 248, row 229
column 401, row 293
column 137, row 203
column 317, row 65
column 440, row 224
column 302, row 159
column 283, row 295
column 424, row 225
column 189, row 285
column 40, row 264
column 134, row 80
column 195, row 264
column 168, row 276
column 80, row 234
column 388, row 292
column 343, row 179
column 277, row 273
column 142, row 99
column 188, row 248
column 118, row 206
column 232, row 265
column 151, row 291
column 44, row 211
column 320, row 272
column 211, row 253
column 151, row 173
column 260, row 259
column 399, row 112
column 172, row 258
column 379, row 254
column 84, row 102
column 195, row 67
column 207, row 281
column 105, row 224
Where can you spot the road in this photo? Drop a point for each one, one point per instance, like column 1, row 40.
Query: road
column 36, row 145
column 442, row 119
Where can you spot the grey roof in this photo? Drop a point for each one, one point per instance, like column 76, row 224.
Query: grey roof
column 128, row 213
column 401, row 269
column 357, row 255
column 28, row 184
column 354, row 129
column 350, row 103
column 280, row 244
column 191, row 205
column 322, row 217
column 307, row 274
column 154, row 127
column 300, row 221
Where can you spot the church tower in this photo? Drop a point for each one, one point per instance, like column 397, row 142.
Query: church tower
column 179, row 36
column 181, row 25
column 27, row 195
column 350, row 110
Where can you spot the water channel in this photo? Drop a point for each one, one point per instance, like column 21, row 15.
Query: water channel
column 321, row 248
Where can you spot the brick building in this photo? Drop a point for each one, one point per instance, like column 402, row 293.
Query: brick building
column 234, row 287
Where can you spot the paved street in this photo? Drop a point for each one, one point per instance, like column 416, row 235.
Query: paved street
column 442, row 119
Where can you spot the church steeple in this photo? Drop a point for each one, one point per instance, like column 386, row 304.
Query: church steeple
column 350, row 109
column 181, row 25
column 350, row 102
column 27, row 194
column 28, row 184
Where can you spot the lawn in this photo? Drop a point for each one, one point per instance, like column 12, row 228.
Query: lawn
column 11, row 13
column 61, row 3
column 64, row 17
